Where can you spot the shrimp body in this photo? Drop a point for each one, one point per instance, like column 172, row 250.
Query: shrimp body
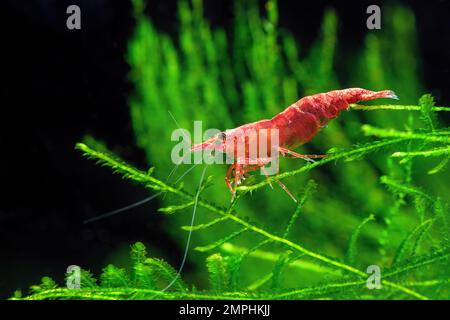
column 296, row 125
column 301, row 121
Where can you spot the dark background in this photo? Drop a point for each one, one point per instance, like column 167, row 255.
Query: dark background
column 60, row 84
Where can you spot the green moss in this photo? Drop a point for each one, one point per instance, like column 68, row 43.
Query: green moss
column 382, row 165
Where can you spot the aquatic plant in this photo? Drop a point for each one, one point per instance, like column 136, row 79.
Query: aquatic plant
column 423, row 252
column 379, row 202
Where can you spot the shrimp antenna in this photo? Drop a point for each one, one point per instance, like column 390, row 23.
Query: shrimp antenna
column 140, row 202
column 188, row 241
column 128, row 207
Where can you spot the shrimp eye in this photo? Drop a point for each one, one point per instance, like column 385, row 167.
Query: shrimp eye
column 222, row 136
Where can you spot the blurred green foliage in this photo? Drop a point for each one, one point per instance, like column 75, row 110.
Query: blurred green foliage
column 255, row 71
column 364, row 211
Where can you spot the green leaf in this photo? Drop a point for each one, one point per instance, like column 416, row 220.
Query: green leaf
column 278, row 269
column 47, row 283
column 399, row 187
column 221, row 241
column 309, row 189
column 175, row 208
column 352, row 249
column 441, row 165
column 407, row 245
column 163, row 271
column 142, row 276
column 217, row 269
column 428, row 115
column 205, row 225
column 87, row 280
column 417, row 262
column 138, row 253
column 113, row 277
column 428, row 153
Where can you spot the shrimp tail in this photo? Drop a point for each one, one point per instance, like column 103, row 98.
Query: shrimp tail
column 300, row 122
column 380, row 94
column 354, row 95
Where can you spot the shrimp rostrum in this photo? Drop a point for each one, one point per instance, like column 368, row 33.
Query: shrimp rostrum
column 254, row 145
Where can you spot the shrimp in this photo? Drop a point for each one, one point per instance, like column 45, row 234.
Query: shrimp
column 296, row 125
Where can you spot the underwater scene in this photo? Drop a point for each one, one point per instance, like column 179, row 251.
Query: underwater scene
column 225, row 150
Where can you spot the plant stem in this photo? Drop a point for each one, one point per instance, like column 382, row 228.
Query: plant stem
column 270, row 256
column 427, row 153
column 155, row 184
column 330, row 158
column 391, row 133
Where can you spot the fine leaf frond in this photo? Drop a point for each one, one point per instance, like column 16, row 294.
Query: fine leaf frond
column 113, row 277
column 396, row 186
column 204, row 225
column 278, row 269
column 273, row 257
column 87, row 280
column 247, row 76
column 427, row 153
column 352, row 249
column 47, row 283
column 309, row 189
column 427, row 112
column 218, row 243
column 346, row 155
column 218, row 276
column 408, row 246
column 150, row 181
column 392, row 133
column 416, row 262
column 174, row 208
column 440, row 166
column 320, row 290
column 165, row 272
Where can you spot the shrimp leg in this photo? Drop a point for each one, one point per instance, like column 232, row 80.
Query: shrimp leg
column 285, row 151
column 281, row 184
column 238, row 172
column 227, row 178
